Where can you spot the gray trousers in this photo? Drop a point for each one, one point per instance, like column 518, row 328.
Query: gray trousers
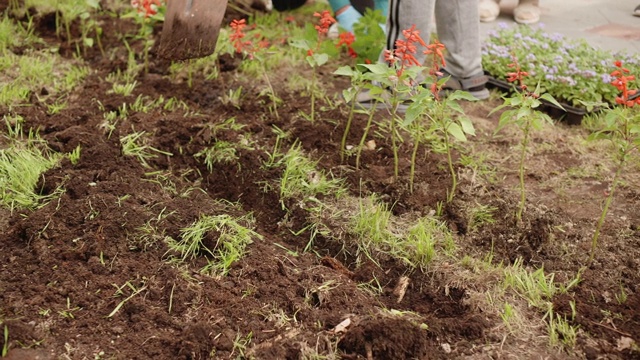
column 458, row 28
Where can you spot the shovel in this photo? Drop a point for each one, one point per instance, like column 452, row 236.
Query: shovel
column 191, row 28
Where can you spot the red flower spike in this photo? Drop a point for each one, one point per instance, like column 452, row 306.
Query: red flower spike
column 147, row 7
column 346, row 39
column 326, row 20
column 621, row 83
column 238, row 34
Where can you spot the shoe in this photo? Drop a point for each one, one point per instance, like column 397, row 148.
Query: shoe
column 334, row 31
column 474, row 85
column 364, row 100
column 526, row 13
column 489, row 10
column 636, row 11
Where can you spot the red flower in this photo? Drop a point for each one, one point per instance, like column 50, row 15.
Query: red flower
column 518, row 76
column 326, row 20
column 405, row 50
column 148, row 7
column 346, row 39
column 238, row 34
column 621, row 82
column 435, row 50
column 389, row 57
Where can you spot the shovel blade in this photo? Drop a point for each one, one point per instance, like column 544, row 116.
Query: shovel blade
column 191, row 28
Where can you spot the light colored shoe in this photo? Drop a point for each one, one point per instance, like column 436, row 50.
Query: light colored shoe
column 526, row 13
column 334, row 31
column 474, row 85
column 636, row 11
column 489, row 10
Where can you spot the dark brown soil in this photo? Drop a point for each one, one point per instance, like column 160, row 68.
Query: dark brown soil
column 68, row 266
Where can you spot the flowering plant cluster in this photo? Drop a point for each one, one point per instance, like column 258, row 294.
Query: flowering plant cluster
column 571, row 71
column 147, row 7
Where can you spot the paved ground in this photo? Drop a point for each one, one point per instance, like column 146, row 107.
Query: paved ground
column 608, row 24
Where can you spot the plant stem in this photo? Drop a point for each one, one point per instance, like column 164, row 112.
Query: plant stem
column 313, row 96
column 414, row 154
column 523, row 154
column 274, row 99
column 364, row 136
column 347, row 127
column 454, row 178
column 596, row 235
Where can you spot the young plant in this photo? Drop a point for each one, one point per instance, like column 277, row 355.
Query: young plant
column 358, row 81
column 399, row 75
column 255, row 52
column 147, row 14
column 315, row 57
column 522, row 112
column 622, row 128
column 439, row 111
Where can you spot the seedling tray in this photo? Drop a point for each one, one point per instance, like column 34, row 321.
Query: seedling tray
column 569, row 114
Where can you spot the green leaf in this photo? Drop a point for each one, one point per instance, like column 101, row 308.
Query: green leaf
column 346, row 71
column 456, row 131
column 467, row 125
column 349, row 94
column 300, row 44
column 550, row 99
column 320, row 59
column 462, row 95
column 377, row 68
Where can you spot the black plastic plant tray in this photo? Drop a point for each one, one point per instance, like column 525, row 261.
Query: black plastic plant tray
column 570, row 114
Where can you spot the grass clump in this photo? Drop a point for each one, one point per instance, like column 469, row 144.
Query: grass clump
column 220, row 239
column 302, row 180
column 22, row 164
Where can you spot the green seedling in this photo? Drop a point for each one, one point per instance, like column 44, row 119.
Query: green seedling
column 134, row 145
column 314, row 44
column 418, row 247
column 240, row 344
column 535, row 287
column 357, row 85
column 481, row 215
column 523, row 112
column 68, row 312
column 370, row 225
column 622, row 128
column 74, row 156
column 120, row 291
column 560, row 331
column 446, row 118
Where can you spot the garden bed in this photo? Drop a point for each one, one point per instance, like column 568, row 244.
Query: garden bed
column 141, row 155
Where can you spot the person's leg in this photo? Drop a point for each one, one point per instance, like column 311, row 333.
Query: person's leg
column 527, row 12
column 459, row 30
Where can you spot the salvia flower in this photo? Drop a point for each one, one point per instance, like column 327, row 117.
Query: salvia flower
column 347, row 39
column 146, row 7
column 621, row 82
column 326, row 20
column 238, row 35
